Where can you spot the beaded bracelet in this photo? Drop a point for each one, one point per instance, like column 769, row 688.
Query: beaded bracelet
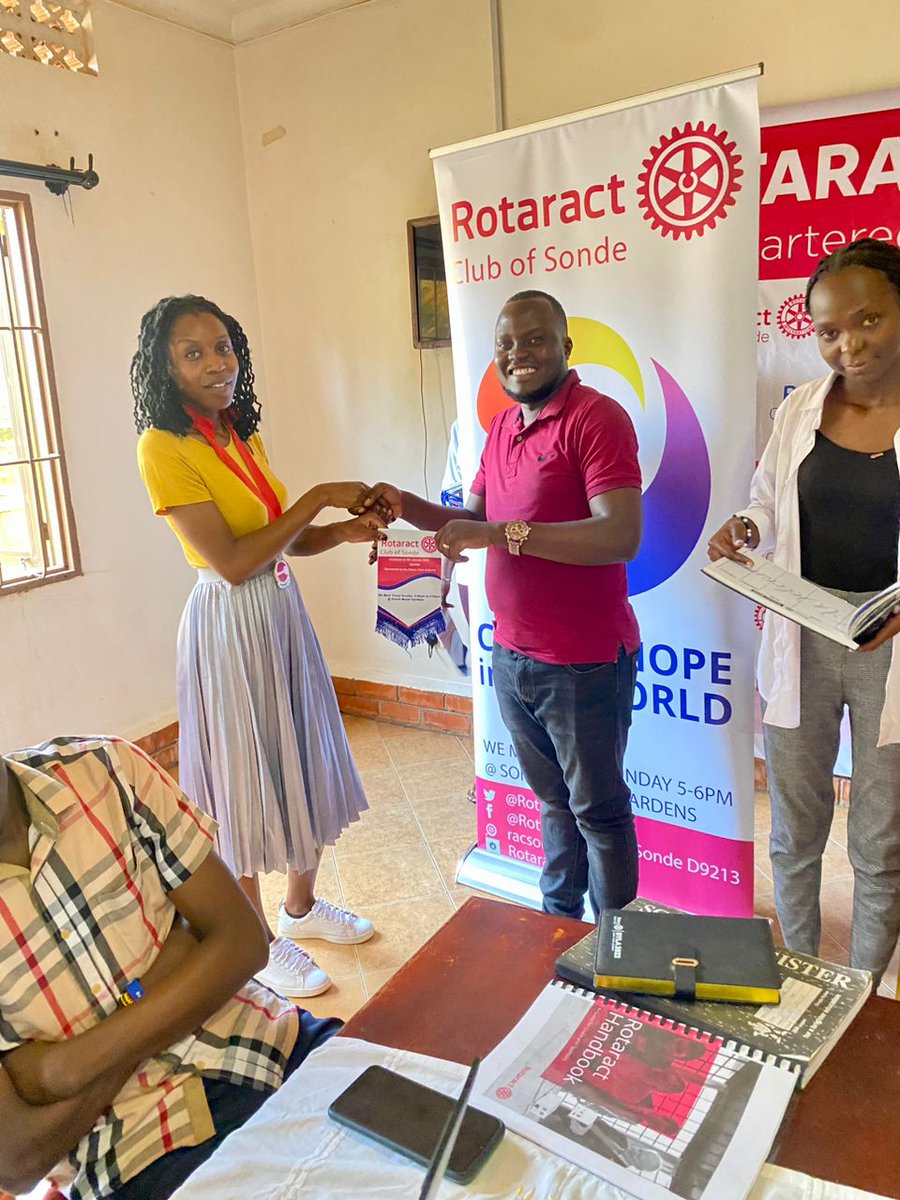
column 745, row 521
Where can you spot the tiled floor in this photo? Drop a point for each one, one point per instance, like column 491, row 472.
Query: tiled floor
column 397, row 864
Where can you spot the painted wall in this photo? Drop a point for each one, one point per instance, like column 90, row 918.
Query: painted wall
column 575, row 54
column 97, row 653
column 361, row 95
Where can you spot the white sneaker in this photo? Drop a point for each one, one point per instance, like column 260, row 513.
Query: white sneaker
column 326, row 922
column 291, row 972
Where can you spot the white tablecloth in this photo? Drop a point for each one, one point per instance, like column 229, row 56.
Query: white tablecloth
column 290, row 1150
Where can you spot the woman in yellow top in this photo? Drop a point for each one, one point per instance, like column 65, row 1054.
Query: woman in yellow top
column 261, row 744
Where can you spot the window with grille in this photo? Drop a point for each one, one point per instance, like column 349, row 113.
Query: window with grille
column 37, row 533
column 57, row 35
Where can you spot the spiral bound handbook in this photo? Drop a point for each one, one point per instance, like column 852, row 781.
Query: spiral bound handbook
column 663, row 1021
column 656, row 1107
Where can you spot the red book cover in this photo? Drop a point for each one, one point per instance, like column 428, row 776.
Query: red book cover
column 645, row 1071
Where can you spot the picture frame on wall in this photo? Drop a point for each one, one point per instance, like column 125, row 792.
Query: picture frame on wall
column 427, row 284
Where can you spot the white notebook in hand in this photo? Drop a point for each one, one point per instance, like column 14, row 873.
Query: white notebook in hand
column 799, row 600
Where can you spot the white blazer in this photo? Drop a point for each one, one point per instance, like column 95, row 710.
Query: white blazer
column 775, row 509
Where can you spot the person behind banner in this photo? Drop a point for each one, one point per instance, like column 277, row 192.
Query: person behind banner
column 262, row 747
column 557, row 504
column 825, row 501
column 454, row 589
column 133, row 1038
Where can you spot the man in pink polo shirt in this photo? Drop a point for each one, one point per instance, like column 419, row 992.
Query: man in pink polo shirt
column 557, row 504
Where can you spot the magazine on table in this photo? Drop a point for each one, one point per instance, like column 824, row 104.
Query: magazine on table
column 819, row 1000
column 656, row 1108
column 799, row 600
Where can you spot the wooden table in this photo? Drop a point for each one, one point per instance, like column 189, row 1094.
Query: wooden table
column 466, row 988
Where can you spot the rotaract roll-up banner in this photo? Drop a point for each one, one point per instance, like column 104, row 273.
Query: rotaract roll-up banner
column 642, row 220
column 830, row 174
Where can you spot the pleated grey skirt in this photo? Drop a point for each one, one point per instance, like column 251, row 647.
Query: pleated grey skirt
column 262, row 747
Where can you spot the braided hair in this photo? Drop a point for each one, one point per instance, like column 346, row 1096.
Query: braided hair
column 866, row 252
column 158, row 403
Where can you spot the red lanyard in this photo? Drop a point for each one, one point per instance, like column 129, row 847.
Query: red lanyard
column 256, row 480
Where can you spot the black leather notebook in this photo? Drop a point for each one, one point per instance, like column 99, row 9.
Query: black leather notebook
column 677, row 954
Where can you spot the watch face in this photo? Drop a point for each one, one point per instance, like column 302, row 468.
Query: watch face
column 517, row 531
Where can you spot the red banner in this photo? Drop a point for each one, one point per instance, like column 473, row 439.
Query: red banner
column 824, row 183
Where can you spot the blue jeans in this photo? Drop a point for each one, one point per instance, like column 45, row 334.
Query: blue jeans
column 569, row 726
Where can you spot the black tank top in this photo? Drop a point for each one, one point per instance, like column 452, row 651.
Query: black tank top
column 849, row 517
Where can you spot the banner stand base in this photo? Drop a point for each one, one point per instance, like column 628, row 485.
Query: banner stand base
column 506, row 878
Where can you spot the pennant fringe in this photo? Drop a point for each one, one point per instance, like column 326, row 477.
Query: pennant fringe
column 407, row 636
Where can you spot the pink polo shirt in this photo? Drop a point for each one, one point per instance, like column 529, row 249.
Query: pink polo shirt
column 581, row 444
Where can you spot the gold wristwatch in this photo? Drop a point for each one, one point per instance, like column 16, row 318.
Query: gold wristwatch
column 516, row 535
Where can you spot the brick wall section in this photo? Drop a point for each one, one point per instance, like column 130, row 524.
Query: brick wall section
column 405, row 706
column 162, row 747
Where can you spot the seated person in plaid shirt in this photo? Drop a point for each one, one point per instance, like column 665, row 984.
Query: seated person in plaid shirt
column 108, row 886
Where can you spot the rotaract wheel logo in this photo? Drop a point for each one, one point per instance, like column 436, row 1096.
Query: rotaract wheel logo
column 429, row 544
column 793, row 320
column 689, row 180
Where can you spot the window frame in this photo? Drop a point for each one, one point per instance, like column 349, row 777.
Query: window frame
column 421, row 341
column 22, row 204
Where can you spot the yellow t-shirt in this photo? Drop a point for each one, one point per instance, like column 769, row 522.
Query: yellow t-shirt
column 183, row 470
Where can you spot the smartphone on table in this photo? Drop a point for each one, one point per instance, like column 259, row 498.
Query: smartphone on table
column 410, row 1118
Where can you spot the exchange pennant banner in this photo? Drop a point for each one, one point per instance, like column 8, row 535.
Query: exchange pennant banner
column 409, row 589
column 643, row 223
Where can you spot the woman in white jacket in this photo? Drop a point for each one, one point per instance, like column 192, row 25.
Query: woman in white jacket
column 825, row 502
